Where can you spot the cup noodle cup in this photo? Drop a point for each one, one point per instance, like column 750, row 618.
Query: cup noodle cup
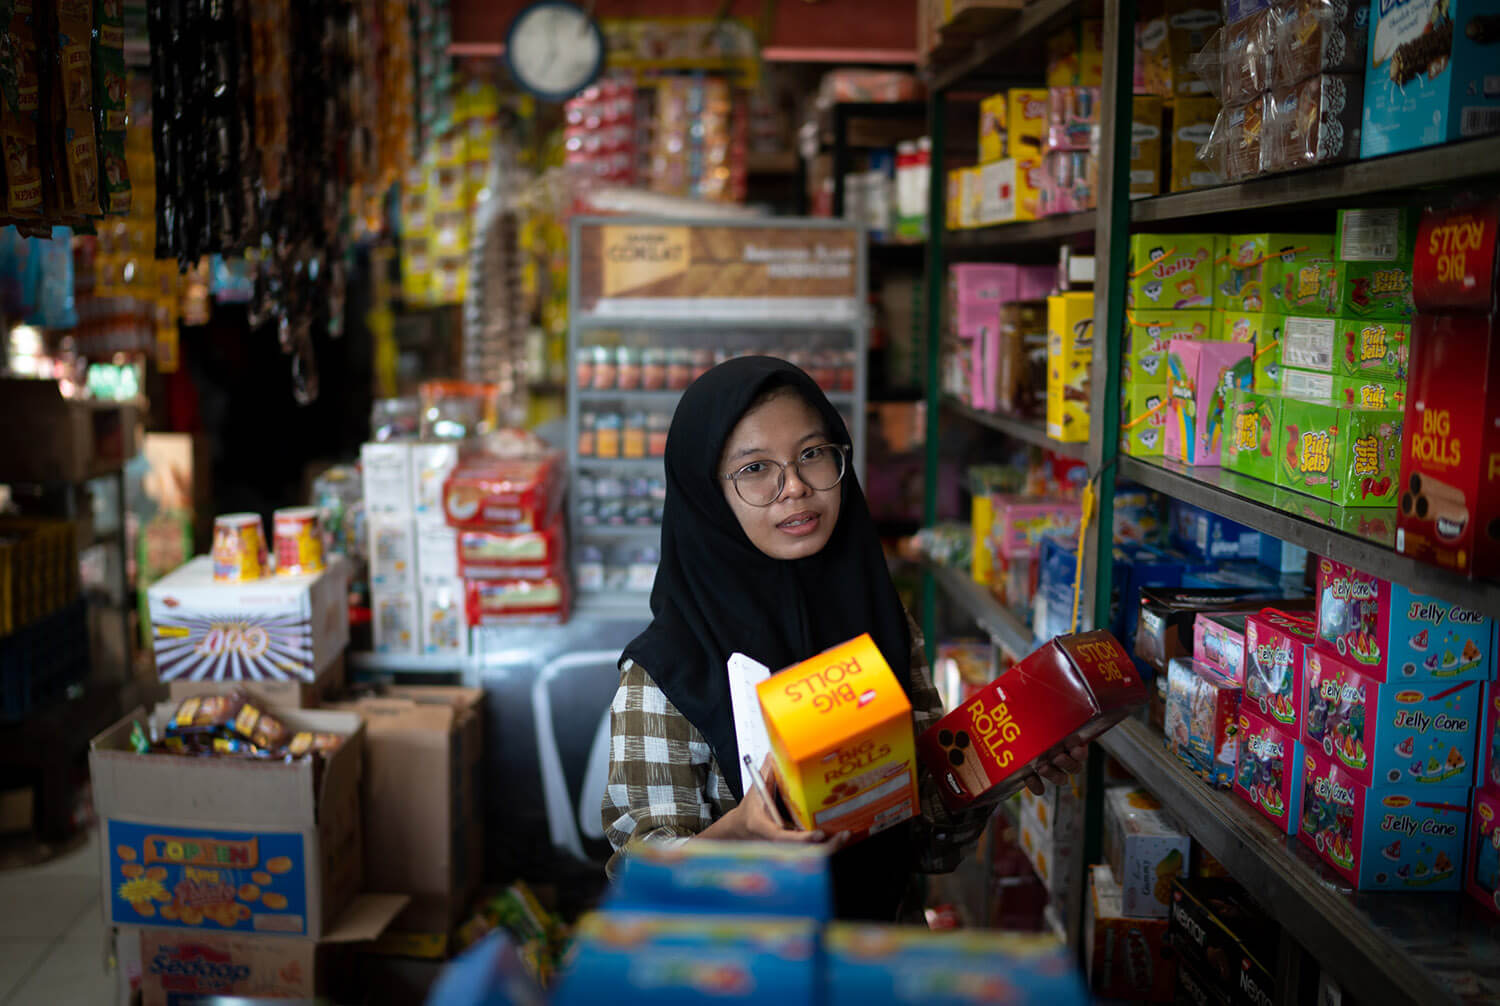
column 1482, row 880
column 239, row 548
column 1391, row 633
column 1412, row 734
column 1275, row 651
column 1066, row 693
column 299, row 541
column 1395, row 838
column 1269, row 773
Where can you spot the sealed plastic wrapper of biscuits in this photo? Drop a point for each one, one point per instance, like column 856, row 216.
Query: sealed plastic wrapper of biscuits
column 1064, row 694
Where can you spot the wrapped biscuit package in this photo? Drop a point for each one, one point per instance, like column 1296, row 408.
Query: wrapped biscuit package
column 1312, row 122
column 1066, row 693
column 1312, row 37
column 1245, row 68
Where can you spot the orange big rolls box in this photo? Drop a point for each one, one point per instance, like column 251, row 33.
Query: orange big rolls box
column 841, row 741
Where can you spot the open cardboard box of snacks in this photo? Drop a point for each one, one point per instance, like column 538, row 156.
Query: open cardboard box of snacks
column 230, row 844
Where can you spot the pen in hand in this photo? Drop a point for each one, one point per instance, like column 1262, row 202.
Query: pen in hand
column 765, row 794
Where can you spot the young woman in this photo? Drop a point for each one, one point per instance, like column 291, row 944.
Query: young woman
column 768, row 549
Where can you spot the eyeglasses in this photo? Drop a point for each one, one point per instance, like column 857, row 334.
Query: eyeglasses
column 821, row 467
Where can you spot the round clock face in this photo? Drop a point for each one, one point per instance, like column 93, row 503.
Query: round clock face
column 554, row 49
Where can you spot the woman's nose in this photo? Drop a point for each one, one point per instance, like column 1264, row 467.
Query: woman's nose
column 795, row 488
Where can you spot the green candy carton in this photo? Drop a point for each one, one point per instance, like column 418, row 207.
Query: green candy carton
column 1143, row 420
column 1350, row 457
column 1171, row 272
column 1372, row 347
column 1251, row 434
column 1284, row 273
column 1374, row 249
column 1262, row 329
column 1146, row 336
column 1369, row 393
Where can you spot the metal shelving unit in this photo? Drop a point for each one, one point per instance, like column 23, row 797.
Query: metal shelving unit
column 1002, row 237
column 1382, row 947
column 1025, row 34
column 1004, row 626
column 648, row 399
column 1255, row 504
column 1029, row 431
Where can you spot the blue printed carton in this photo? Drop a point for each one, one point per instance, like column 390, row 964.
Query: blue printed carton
column 1430, row 74
column 1209, row 536
column 229, row 845
column 1395, row 838
column 730, row 878
column 869, row 964
column 668, row 960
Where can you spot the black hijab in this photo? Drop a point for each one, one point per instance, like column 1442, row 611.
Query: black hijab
column 717, row 594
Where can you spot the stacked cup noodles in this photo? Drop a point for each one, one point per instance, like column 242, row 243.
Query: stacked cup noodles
column 239, row 547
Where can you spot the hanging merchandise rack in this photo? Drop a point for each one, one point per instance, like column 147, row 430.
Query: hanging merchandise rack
column 1379, row 947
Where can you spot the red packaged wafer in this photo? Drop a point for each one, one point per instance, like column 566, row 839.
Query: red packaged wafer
column 503, row 494
column 487, row 553
column 1455, row 265
column 1066, row 693
column 519, row 598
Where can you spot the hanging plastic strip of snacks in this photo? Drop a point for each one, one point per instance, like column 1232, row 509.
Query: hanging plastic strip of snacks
column 110, row 96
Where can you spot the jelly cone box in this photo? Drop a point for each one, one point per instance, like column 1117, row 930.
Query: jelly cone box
column 1171, row 271
column 1269, row 776
column 1394, row 838
column 1065, row 693
column 1219, row 639
column 1391, row 633
column 1489, row 740
column 1251, row 434
column 1145, row 848
column 1483, row 877
column 841, row 740
column 1350, row 457
column 1394, row 733
column 1275, row 651
column 1449, row 505
column 1203, row 379
column 229, row 844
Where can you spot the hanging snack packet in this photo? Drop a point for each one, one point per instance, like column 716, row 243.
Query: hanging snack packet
column 111, row 93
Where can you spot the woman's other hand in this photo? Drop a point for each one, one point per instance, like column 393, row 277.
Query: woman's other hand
column 1057, row 770
column 752, row 820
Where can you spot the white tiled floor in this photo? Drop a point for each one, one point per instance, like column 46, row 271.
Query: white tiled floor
column 52, row 947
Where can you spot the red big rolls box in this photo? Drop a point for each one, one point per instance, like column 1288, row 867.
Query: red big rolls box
column 1064, row 694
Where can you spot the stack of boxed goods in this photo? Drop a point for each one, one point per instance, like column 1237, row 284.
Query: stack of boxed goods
column 1225, row 946
column 1012, row 515
column 1482, row 878
column 997, row 323
column 1006, row 185
column 1075, row 72
column 1049, row 829
column 1391, row 709
column 1171, row 99
column 1070, row 355
column 44, row 632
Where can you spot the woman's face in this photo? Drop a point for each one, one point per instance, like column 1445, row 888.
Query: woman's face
column 801, row 520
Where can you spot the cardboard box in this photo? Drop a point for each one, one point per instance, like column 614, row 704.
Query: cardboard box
column 1146, row 851
column 393, row 552
column 1449, row 494
column 1282, row 557
column 52, row 439
column 1091, row 52
column 728, row 878
column 394, row 622
column 1051, row 855
column 442, row 617
column 1369, row 393
column 1204, row 376
column 1262, row 331
column 289, row 693
column 1005, row 191
column 1289, row 274
column 1020, row 523
column 1428, row 75
column 1168, row 617
column 1219, row 640
column 1062, row 57
column 1268, row 776
column 1349, row 457
column 1169, row 36
column 1396, row 733
column 1148, row 333
column 1170, row 272
column 1125, row 959
column 1192, row 125
column 431, row 464
column 1374, row 250
column 386, row 468
column 1276, row 645
column 229, row 844
column 665, row 958
column 1201, row 719
column 1147, row 126
column 1143, row 421
column 841, row 741
column 1067, row 692
column 1396, row 838
column 992, row 128
column 422, row 806
column 1482, row 878
column 1209, row 535
column 903, row 964
column 1229, row 945
column 1392, row 633
column 178, row 966
column 1025, row 122
column 436, row 551
column 1372, row 348
column 1254, row 426
column 1310, row 344
column 279, row 628
column 1454, row 268
column 1070, row 354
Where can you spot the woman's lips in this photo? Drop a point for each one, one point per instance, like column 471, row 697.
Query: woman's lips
column 801, row 524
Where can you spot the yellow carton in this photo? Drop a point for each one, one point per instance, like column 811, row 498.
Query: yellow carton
column 955, row 198
column 1145, row 145
column 1070, row 352
column 841, row 740
column 1025, row 121
column 1192, row 124
column 1062, row 57
column 971, row 197
column 1091, row 52
column 992, row 128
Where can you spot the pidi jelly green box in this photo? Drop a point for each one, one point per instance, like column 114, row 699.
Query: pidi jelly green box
column 1350, row 457
column 1369, row 393
column 1374, row 250
column 1252, row 430
column 1284, row 273
column 1372, row 347
column 1171, row 271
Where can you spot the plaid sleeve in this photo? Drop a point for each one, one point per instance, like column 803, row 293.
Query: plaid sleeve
column 941, row 834
column 663, row 782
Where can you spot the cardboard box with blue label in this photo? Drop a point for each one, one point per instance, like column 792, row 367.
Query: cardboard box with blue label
column 1429, row 74
column 1210, row 536
column 226, row 844
column 730, row 878
column 681, row 958
column 1393, row 733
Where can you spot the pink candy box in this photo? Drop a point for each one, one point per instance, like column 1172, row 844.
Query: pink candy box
column 998, row 283
column 1021, row 522
column 1219, row 639
column 1201, row 378
column 1276, row 645
column 1482, row 878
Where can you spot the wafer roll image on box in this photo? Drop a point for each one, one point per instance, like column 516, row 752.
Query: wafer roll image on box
column 1066, row 693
